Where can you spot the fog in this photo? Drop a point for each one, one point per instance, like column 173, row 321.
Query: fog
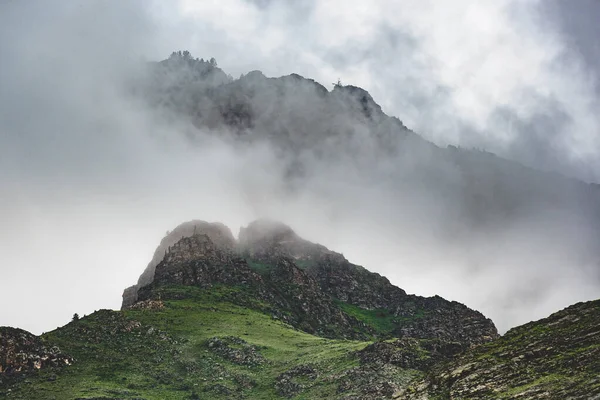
column 91, row 178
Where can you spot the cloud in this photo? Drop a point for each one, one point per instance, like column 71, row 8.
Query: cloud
column 442, row 68
column 91, row 179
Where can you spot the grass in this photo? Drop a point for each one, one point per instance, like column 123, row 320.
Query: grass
column 162, row 354
column 259, row 268
column 381, row 320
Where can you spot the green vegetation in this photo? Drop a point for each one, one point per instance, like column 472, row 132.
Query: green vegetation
column 164, row 354
column 259, row 268
column 556, row 357
column 305, row 264
column 381, row 320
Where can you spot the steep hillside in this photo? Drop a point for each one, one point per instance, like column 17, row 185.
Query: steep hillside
column 199, row 344
column 309, row 286
column 555, row 358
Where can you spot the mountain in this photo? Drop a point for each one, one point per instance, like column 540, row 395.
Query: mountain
column 306, row 285
column 336, row 147
column 272, row 315
column 554, row 358
column 275, row 316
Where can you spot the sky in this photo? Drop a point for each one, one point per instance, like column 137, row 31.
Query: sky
column 90, row 182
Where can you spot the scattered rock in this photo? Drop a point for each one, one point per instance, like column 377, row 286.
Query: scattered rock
column 236, row 350
column 287, row 384
column 21, row 351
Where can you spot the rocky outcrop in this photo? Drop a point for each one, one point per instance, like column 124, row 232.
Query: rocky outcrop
column 236, row 350
column 295, row 380
column 220, row 235
column 21, row 351
column 311, row 310
column 308, row 285
column 555, row 358
column 130, row 296
column 422, row 317
column 199, row 261
column 410, row 353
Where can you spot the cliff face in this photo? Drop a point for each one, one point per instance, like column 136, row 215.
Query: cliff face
column 219, row 234
column 309, row 286
column 351, row 284
column 199, row 261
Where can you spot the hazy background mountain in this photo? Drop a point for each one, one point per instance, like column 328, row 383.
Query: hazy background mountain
column 510, row 232
column 93, row 174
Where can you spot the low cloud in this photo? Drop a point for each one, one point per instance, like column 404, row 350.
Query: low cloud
column 91, row 178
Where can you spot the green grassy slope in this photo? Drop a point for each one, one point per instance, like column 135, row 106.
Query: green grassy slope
column 554, row 358
column 165, row 354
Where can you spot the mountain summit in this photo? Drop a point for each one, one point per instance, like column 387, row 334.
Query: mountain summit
column 304, row 284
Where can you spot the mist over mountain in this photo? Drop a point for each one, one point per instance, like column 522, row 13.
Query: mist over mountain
column 514, row 237
column 102, row 145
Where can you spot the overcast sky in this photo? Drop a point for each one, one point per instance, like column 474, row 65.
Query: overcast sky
column 89, row 183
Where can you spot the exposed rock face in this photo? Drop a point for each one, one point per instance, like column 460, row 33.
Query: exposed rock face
column 199, row 261
column 130, row 296
column 555, row 358
column 268, row 240
column 293, row 294
column 312, row 310
column 20, row 351
column 421, row 317
column 220, row 235
column 286, row 384
column 410, row 353
column 308, row 285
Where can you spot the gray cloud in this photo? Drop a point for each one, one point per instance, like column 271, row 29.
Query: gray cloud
column 91, row 179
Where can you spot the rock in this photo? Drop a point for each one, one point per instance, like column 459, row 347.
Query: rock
column 147, row 305
column 410, row 353
column 236, row 350
column 420, row 317
column 21, row 351
column 307, row 285
column 198, row 261
column 286, row 383
column 555, row 358
column 219, row 234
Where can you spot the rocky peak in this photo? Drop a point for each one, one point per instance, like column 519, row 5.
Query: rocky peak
column 195, row 247
column 219, row 234
column 269, row 240
column 266, row 230
column 198, row 261
column 309, row 286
